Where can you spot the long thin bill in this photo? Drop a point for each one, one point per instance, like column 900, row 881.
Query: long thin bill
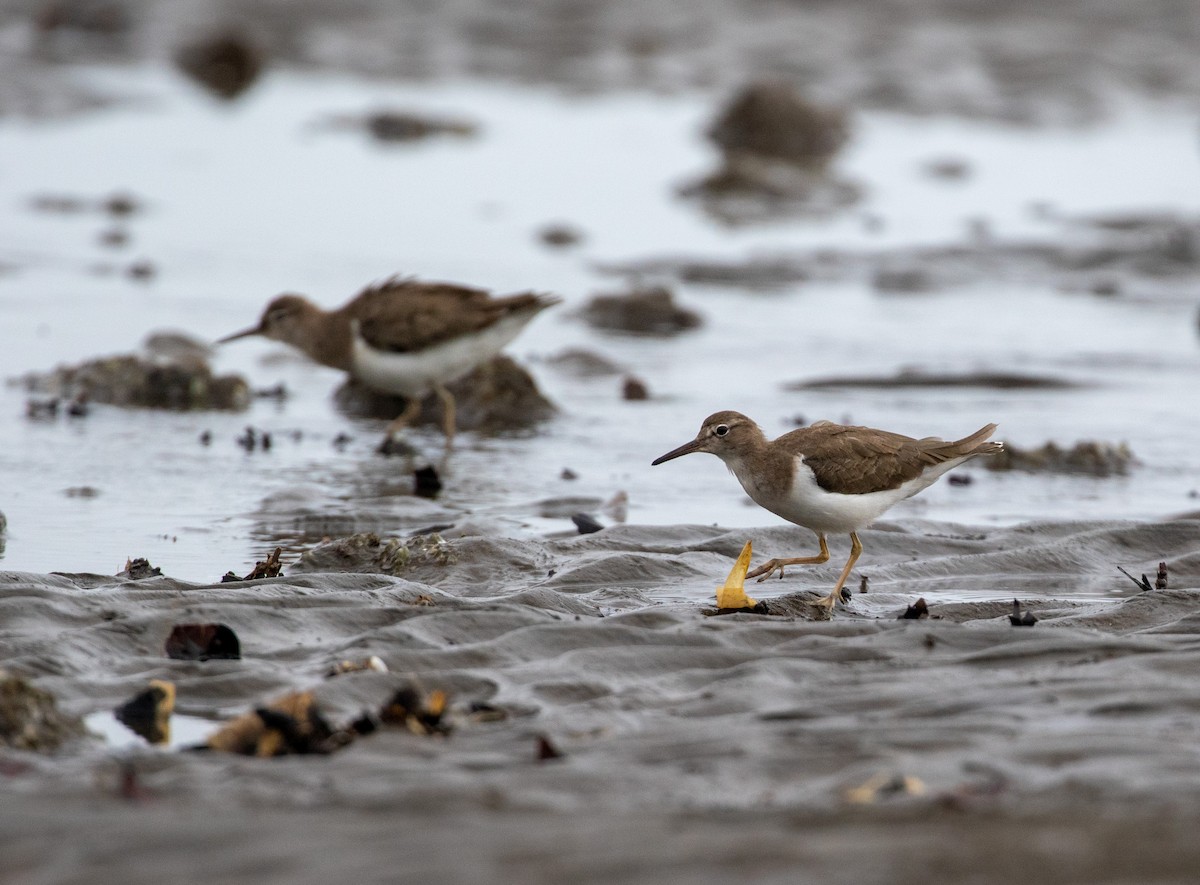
column 685, row 449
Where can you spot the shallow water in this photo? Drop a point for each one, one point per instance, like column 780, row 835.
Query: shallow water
column 246, row 200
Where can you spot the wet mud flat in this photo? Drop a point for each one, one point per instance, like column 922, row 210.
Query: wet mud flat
column 631, row 735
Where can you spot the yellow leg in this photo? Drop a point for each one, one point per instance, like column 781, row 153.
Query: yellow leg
column 449, row 414
column 412, row 408
column 828, row 602
column 773, row 565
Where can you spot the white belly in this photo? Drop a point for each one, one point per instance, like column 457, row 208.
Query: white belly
column 809, row 505
column 413, row 374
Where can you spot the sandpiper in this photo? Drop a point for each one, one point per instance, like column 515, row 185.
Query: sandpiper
column 829, row 477
column 403, row 337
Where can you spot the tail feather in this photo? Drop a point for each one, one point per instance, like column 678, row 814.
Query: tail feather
column 977, row 443
column 938, row 450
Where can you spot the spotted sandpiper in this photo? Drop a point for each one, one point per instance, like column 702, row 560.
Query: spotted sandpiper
column 403, row 337
column 829, row 477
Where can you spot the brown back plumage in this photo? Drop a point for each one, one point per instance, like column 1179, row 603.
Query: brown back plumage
column 405, row 315
column 854, row 460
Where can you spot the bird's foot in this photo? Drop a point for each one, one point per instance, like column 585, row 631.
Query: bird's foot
column 768, row 568
column 827, row 603
column 395, row 445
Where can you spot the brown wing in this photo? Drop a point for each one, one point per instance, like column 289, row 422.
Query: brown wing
column 408, row 315
column 854, row 460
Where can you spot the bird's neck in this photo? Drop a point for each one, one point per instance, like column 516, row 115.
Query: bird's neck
column 764, row 471
column 327, row 338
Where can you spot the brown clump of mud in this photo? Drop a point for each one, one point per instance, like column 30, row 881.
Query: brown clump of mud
column 1087, row 457
column 642, row 311
column 774, row 120
column 226, row 64
column 136, row 382
column 494, row 398
column 776, row 147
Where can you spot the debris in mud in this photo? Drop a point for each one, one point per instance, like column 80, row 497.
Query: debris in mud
column 586, row 523
column 960, row 479
column 278, row 392
column 202, row 642
column 291, row 724
column 863, row 583
column 148, row 713
column 139, row 568
column 30, row 719
column 1160, row 579
column 914, row 377
column 568, row 474
column 252, row 439
column 634, row 389
column 915, row 612
column 367, row 553
column 560, row 235
column 420, row 713
column 1086, row 457
column 410, row 126
column 225, row 64
column 496, row 397
column 882, row 786
column 266, row 568
column 645, row 311
column 1019, row 618
column 426, row 482
column 86, row 492
column 134, row 382
column 372, row 664
column 546, row 749
column 114, row 238
column 732, row 596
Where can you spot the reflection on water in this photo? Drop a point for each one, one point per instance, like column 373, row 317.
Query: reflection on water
column 240, row 203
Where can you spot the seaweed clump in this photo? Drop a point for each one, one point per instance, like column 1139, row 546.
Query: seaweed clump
column 30, row 718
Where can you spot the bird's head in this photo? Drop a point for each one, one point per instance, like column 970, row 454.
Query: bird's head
column 285, row 319
column 728, row 435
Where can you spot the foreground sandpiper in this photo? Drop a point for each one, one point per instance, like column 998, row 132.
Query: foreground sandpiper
column 403, row 337
column 829, row 477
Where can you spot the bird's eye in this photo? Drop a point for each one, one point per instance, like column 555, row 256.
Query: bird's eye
column 721, row 429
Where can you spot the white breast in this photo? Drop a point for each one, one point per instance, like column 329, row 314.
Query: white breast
column 413, row 374
column 809, row 505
